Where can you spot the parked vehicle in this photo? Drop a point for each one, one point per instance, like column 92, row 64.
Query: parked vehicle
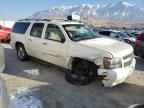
column 135, row 34
column 118, row 36
column 4, row 98
column 72, row 45
column 139, row 45
column 5, row 34
column 130, row 35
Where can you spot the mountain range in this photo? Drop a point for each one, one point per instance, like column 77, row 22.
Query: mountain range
column 117, row 11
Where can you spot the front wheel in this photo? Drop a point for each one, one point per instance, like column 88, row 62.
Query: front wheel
column 82, row 73
column 21, row 53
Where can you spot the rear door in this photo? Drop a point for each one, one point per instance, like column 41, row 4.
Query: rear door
column 34, row 39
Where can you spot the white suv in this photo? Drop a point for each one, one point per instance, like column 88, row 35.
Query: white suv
column 74, row 46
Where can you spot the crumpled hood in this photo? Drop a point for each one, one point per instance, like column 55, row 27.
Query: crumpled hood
column 114, row 47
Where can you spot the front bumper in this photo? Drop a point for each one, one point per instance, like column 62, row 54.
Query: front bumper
column 116, row 76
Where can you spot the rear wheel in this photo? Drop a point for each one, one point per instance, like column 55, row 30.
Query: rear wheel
column 21, row 53
column 82, row 73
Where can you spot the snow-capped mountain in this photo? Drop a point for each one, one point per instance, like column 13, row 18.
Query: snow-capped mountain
column 121, row 11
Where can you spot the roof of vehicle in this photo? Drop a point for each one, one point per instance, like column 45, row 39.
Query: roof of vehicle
column 57, row 21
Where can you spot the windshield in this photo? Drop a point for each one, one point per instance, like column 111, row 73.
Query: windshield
column 79, row 32
column 122, row 34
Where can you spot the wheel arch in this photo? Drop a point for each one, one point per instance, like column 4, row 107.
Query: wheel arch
column 74, row 60
column 18, row 43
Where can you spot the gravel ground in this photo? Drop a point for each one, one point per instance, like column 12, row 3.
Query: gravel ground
column 55, row 92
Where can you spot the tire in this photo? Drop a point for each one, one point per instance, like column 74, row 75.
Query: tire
column 80, row 73
column 21, row 53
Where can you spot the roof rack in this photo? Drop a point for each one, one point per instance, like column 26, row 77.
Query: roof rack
column 48, row 20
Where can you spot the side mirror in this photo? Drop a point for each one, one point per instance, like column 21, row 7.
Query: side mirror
column 62, row 40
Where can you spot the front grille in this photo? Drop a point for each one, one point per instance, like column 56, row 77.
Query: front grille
column 128, row 59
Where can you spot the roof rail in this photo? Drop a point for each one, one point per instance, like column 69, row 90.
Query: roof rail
column 34, row 20
column 42, row 19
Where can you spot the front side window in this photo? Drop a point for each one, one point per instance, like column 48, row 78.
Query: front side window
column 53, row 32
column 78, row 32
column 37, row 29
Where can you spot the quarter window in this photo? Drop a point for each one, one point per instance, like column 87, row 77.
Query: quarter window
column 53, row 32
column 20, row 27
column 37, row 29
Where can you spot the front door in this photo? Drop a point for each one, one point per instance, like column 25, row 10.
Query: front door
column 54, row 46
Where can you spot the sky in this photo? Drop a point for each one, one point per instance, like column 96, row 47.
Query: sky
column 18, row 9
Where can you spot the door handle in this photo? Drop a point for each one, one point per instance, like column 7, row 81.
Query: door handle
column 44, row 43
column 29, row 39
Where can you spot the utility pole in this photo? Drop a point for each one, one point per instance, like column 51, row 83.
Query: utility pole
column 87, row 17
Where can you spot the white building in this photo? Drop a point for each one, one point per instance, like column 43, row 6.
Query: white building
column 7, row 23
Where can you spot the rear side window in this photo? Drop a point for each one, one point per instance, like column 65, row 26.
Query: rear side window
column 37, row 29
column 20, row 27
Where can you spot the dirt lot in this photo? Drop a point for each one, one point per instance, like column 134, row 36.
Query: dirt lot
column 54, row 91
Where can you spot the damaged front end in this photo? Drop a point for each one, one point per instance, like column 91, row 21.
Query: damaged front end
column 116, row 71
